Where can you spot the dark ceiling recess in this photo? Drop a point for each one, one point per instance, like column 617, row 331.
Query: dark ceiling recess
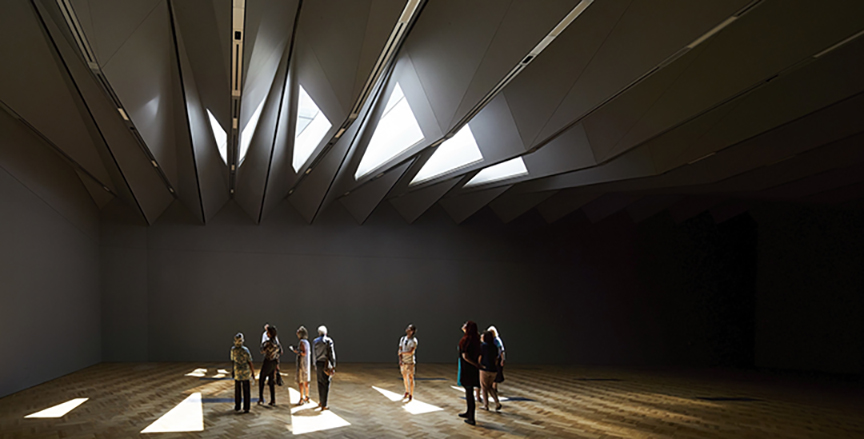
column 610, row 106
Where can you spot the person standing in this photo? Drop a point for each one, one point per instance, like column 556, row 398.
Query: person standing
column 325, row 364
column 243, row 372
column 271, row 349
column 499, row 377
column 469, row 376
column 264, row 335
column 488, row 369
column 407, row 360
column 304, row 364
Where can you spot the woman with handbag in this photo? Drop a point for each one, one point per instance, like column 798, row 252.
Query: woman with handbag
column 271, row 349
column 469, row 374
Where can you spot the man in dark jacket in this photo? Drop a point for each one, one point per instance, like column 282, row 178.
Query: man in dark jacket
column 325, row 364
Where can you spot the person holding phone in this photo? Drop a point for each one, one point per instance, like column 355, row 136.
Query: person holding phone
column 304, row 364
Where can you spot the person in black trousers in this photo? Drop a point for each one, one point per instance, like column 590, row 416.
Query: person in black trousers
column 271, row 349
column 469, row 369
column 242, row 371
column 325, row 365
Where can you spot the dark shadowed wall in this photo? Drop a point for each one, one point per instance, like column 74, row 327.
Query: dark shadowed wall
column 49, row 264
column 811, row 290
column 574, row 292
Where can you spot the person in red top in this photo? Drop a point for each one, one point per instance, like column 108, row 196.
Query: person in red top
column 469, row 369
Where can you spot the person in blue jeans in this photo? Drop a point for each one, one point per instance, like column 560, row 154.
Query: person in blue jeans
column 243, row 372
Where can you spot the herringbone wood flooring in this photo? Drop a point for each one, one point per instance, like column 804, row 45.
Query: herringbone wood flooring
column 567, row 402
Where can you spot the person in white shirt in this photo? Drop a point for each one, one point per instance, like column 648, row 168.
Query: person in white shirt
column 265, row 336
column 407, row 360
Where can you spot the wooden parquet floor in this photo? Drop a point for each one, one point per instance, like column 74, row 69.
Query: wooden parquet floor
column 559, row 402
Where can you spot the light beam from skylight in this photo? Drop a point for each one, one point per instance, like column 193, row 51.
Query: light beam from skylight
column 502, row 171
column 397, row 131
column 221, row 137
column 249, row 131
column 312, row 126
column 457, row 152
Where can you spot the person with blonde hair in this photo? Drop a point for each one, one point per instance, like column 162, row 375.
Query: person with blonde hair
column 499, row 376
column 304, row 364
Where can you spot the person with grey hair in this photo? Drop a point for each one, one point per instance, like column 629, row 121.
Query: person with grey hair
column 243, row 372
column 325, row 364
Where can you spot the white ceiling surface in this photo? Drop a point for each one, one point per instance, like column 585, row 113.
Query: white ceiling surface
column 621, row 112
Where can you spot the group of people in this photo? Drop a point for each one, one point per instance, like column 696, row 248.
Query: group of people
column 481, row 366
column 321, row 349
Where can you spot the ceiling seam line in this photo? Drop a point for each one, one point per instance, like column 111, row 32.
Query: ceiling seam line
column 170, row 5
column 384, row 198
column 491, row 41
column 381, row 86
column 87, row 107
column 382, row 78
column 582, row 72
column 56, row 148
column 48, row 204
column 279, row 110
column 110, row 57
column 694, row 117
column 653, row 104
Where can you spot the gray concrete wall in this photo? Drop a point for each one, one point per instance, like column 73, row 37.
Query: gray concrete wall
column 49, row 264
column 572, row 292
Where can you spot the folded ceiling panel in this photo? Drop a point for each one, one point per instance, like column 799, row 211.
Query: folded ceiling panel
column 511, row 205
column 646, row 35
column 461, row 207
column 36, row 87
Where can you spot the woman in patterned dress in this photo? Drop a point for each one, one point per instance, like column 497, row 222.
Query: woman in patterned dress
column 304, row 364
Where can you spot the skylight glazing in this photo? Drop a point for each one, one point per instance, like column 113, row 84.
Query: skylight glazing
column 457, row 152
column 221, row 137
column 501, row 171
column 312, row 126
column 397, row 131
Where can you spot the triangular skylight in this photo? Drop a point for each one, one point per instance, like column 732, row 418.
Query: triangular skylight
column 221, row 137
column 501, row 171
column 312, row 126
column 457, row 152
column 249, row 131
column 397, row 131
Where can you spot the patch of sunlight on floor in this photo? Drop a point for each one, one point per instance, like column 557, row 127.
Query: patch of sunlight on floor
column 58, row 410
column 186, row 416
column 223, row 371
column 197, row 373
column 414, row 407
column 392, row 396
column 304, row 419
